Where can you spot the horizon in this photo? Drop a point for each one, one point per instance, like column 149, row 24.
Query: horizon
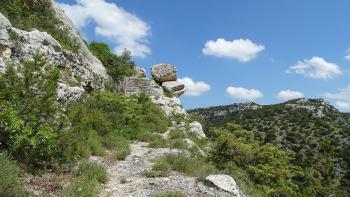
column 266, row 52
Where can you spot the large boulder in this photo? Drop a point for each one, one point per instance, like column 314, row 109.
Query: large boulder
column 163, row 72
column 224, row 182
column 196, row 128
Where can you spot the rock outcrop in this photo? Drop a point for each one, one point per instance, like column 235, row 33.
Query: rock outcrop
column 80, row 67
column 196, row 128
column 166, row 76
column 163, row 73
column 225, row 183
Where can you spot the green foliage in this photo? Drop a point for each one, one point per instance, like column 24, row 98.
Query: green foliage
column 169, row 193
column 37, row 14
column 29, row 113
column 10, row 185
column 181, row 163
column 161, row 168
column 319, row 142
column 117, row 66
column 271, row 169
column 86, row 184
column 115, row 119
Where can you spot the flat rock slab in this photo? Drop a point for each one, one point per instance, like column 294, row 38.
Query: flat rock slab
column 173, row 86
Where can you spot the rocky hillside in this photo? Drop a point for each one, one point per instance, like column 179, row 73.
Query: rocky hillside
column 78, row 120
column 311, row 128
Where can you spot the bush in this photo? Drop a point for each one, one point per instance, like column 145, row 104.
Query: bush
column 190, row 166
column 160, row 168
column 37, row 14
column 170, row 193
column 10, row 186
column 269, row 167
column 86, row 184
column 117, row 66
column 29, row 113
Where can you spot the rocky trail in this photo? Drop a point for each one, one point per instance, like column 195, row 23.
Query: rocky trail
column 126, row 178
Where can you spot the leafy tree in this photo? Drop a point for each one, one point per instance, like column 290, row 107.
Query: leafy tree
column 117, row 66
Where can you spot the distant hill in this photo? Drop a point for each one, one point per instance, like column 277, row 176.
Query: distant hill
column 312, row 128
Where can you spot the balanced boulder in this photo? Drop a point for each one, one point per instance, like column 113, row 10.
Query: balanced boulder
column 163, row 72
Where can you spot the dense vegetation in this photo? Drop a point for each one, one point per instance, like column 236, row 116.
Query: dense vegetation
column 312, row 150
column 40, row 133
column 117, row 66
column 38, row 14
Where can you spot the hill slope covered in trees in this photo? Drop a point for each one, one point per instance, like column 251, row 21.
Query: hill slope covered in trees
column 315, row 132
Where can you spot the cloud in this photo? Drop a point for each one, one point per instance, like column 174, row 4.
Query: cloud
column 342, row 94
column 194, row 88
column 112, row 22
column 343, row 106
column 242, row 50
column 317, row 68
column 348, row 54
column 289, row 94
column 243, row 93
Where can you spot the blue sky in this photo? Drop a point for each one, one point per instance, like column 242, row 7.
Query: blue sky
column 297, row 47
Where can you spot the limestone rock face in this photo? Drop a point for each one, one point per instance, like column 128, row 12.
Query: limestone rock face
column 134, row 86
column 173, row 86
column 87, row 57
column 68, row 94
column 170, row 106
column 81, row 67
column 224, row 182
column 196, row 128
column 139, row 72
column 163, row 72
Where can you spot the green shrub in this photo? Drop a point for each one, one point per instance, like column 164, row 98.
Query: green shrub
column 158, row 143
column 117, row 66
column 86, row 184
column 93, row 171
column 177, row 134
column 169, row 193
column 160, row 168
column 269, row 167
column 38, row 14
column 10, row 185
column 190, row 166
column 29, row 113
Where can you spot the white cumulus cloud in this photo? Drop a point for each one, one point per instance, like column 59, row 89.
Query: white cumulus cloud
column 124, row 29
column 342, row 94
column 244, row 93
column 343, row 106
column 317, row 68
column 242, row 50
column 289, row 94
column 194, row 88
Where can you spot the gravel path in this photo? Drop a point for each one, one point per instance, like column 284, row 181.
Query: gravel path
column 126, row 178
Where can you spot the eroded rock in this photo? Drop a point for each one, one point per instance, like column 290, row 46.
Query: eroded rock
column 225, row 183
column 196, row 128
column 172, row 86
column 163, row 72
